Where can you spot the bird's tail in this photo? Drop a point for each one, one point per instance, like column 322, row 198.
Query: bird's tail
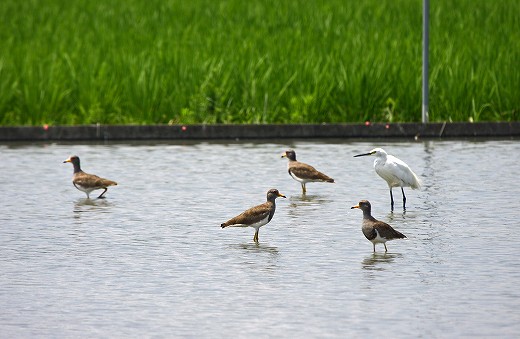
column 110, row 183
column 417, row 182
column 324, row 177
column 400, row 235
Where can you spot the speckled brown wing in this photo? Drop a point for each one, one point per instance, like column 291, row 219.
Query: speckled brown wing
column 304, row 171
column 251, row 216
column 91, row 181
column 386, row 231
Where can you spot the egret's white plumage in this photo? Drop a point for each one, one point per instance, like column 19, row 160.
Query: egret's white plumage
column 394, row 171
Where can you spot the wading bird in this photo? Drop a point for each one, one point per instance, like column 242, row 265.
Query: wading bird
column 394, row 171
column 374, row 230
column 257, row 216
column 302, row 172
column 88, row 182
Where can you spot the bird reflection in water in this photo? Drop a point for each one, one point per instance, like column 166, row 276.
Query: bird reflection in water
column 309, row 198
column 301, row 205
column 391, row 216
column 259, row 248
column 90, row 205
column 379, row 261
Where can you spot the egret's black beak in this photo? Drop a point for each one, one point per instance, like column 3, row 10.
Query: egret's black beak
column 362, row 155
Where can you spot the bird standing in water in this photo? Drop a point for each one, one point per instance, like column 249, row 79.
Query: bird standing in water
column 374, row 230
column 88, row 182
column 302, row 172
column 394, row 171
column 257, row 216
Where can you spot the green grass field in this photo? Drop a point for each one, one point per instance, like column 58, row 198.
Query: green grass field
column 259, row 61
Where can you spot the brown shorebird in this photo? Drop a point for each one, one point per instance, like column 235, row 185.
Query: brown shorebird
column 257, row 216
column 302, row 172
column 394, row 171
column 88, row 182
column 374, row 230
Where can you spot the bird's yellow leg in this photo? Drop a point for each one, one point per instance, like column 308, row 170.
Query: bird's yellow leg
column 255, row 238
column 304, row 190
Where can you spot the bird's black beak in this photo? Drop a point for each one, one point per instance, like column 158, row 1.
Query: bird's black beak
column 362, row 155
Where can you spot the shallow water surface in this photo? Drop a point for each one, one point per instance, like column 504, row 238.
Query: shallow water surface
column 151, row 259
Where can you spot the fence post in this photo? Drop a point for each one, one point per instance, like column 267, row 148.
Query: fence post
column 425, row 65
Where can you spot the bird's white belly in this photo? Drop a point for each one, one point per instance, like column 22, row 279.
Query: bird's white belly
column 255, row 225
column 390, row 178
column 379, row 239
column 299, row 179
column 85, row 189
column 260, row 223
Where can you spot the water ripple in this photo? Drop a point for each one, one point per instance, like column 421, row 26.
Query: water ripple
column 152, row 260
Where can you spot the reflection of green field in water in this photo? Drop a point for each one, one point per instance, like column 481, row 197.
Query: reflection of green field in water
column 235, row 61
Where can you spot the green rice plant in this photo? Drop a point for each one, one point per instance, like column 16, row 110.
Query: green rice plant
column 259, row 61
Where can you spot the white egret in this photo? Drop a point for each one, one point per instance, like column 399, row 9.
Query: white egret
column 395, row 172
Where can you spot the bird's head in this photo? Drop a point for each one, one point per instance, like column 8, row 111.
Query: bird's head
column 273, row 193
column 378, row 152
column 363, row 205
column 289, row 154
column 74, row 159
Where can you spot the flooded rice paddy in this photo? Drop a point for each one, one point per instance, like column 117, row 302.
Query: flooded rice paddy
column 151, row 260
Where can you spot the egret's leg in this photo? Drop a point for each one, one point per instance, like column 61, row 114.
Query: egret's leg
column 404, row 199
column 304, row 190
column 386, row 249
column 391, row 199
column 101, row 195
column 255, row 238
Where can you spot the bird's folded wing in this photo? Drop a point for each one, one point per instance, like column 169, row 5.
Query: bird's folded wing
column 307, row 172
column 386, row 231
column 252, row 215
column 93, row 181
column 403, row 172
